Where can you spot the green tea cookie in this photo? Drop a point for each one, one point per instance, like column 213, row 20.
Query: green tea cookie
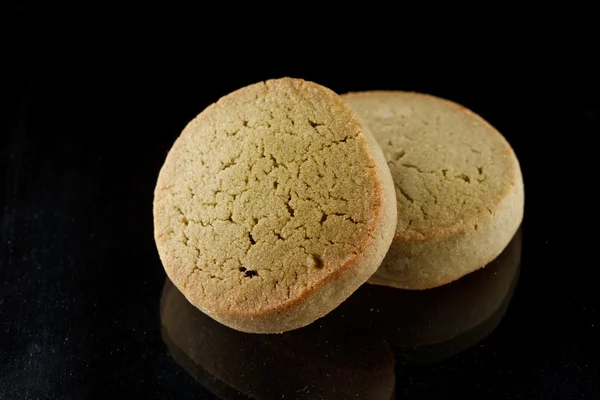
column 458, row 184
column 273, row 206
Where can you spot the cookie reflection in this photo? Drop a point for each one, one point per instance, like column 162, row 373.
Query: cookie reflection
column 434, row 324
column 300, row 364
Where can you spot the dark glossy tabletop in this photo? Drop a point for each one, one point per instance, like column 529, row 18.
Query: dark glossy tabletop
column 86, row 310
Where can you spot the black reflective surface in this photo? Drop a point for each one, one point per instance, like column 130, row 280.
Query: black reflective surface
column 85, row 308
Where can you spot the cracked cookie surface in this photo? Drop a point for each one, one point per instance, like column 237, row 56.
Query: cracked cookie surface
column 273, row 206
column 458, row 184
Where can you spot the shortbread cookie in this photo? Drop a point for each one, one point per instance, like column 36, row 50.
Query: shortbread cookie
column 273, row 206
column 458, row 184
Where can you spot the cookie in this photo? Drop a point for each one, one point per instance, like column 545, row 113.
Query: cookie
column 459, row 188
column 273, row 206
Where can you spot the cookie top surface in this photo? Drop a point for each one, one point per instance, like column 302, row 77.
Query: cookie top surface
column 450, row 167
column 266, row 195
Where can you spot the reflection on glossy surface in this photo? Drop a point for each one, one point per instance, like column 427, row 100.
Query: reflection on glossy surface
column 348, row 353
column 294, row 365
column 416, row 318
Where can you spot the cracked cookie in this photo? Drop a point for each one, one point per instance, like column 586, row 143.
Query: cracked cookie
column 273, row 205
column 459, row 188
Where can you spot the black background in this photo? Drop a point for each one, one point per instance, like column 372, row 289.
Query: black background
column 91, row 105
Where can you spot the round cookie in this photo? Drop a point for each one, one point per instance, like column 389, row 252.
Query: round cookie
column 273, row 206
column 458, row 184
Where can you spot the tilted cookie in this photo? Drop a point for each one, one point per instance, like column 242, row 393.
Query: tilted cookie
column 458, row 183
column 273, row 206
